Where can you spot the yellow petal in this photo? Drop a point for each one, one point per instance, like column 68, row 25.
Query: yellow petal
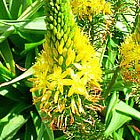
column 56, row 96
column 71, row 92
column 81, row 110
column 74, row 107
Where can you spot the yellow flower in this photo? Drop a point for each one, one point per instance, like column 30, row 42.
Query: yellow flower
column 130, row 52
column 58, row 79
column 66, row 69
column 87, row 8
column 78, row 85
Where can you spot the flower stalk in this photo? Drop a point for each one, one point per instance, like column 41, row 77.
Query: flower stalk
column 66, row 70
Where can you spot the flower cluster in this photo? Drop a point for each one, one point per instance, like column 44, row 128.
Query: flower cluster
column 67, row 72
column 130, row 52
column 87, row 8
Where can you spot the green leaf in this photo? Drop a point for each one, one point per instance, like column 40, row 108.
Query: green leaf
column 30, row 58
column 11, row 93
column 111, row 43
column 6, row 53
column 37, row 25
column 5, row 106
column 30, row 132
column 134, row 133
column 37, row 121
column 26, row 74
column 14, row 7
column 12, row 122
column 32, row 9
column 118, row 119
column 114, row 118
column 30, row 46
column 45, row 133
column 126, row 109
column 110, row 107
column 116, row 136
column 10, row 127
column 16, row 110
column 5, row 73
column 7, row 33
column 61, row 138
column 120, row 132
column 3, row 27
column 4, row 12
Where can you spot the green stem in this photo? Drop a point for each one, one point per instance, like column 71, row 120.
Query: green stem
column 109, row 87
column 127, row 23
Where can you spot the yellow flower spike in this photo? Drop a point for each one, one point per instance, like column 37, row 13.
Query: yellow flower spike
column 87, row 8
column 93, row 83
column 66, row 68
column 130, row 52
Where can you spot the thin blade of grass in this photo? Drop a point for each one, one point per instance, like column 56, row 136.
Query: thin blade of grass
column 5, row 52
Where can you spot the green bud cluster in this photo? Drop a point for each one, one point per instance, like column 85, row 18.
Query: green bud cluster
column 59, row 24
